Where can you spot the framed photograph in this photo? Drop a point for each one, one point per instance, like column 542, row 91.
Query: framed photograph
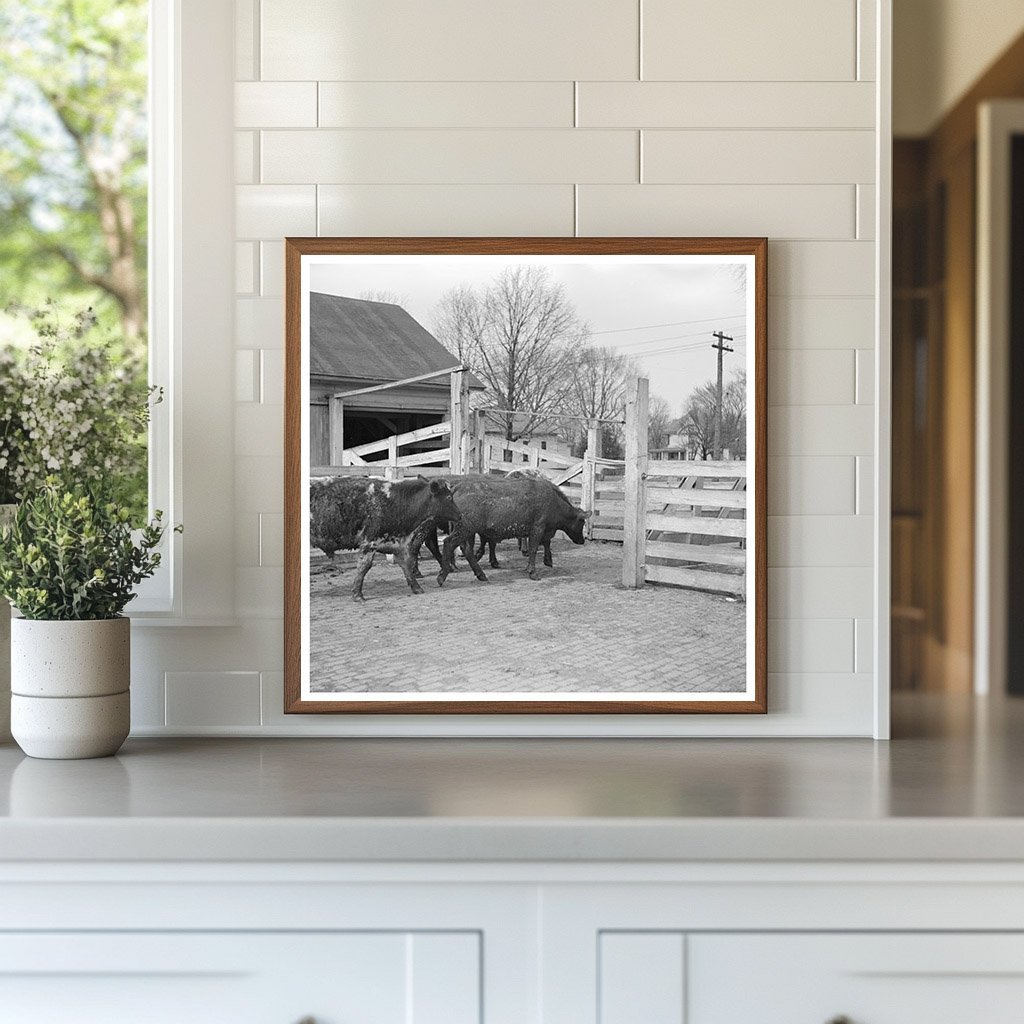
column 525, row 475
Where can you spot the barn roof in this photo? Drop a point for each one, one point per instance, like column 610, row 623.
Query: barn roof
column 376, row 341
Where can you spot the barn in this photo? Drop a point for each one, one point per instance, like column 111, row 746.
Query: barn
column 359, row 343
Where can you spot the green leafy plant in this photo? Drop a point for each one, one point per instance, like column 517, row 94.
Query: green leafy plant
column 72, row 554
column 74, row 407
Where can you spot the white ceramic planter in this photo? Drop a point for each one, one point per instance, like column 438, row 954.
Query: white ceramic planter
column 6, row 515
column 69, row 683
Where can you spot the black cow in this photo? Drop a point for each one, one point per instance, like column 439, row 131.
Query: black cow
column 377, row 515
column 499, row 508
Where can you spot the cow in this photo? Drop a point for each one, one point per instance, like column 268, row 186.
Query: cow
column 377, row 516
column 499, row 508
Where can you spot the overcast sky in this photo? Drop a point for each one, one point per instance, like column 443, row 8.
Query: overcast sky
column 661, row 314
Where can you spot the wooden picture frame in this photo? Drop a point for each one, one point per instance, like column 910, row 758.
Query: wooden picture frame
column 350, row 348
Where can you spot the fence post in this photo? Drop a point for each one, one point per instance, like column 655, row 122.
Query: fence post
column 394, row 471
column 634, row 533
column 336, row 431
column 479, row 444
column 460, row 411
column 535, row 456
column 594, row 438
column 587, row 495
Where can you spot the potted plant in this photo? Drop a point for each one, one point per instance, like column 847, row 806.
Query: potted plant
column 73, row 406
column 69, row 563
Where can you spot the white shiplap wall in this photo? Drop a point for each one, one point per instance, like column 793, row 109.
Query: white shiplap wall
column 555, row 117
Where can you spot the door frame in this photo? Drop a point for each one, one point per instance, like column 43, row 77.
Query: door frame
column 998, row 122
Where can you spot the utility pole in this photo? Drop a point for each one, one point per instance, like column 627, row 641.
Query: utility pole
column 722, row 349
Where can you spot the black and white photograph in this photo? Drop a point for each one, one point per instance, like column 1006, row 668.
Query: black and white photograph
column 526, row 480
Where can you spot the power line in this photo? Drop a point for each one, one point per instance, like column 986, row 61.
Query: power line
column 675, row 323
column 658, row 341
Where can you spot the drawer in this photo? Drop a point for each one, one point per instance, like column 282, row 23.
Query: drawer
column 865, row 978
column 241, row 978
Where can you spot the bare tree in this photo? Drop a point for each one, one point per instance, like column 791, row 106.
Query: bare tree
column 659, row 421
column 384, row 295
column 698, row 419
column 522, row 337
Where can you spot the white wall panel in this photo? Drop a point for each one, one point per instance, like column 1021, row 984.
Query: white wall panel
column 736, row 40
column 247, row 375
column 809, row 322
column 446, row 209
column 821, row 430
column 756, row 157
column 811, row 645
column 819, row 540
column 446, row 105
column 867, row 26
column 821, row 591
column 866, row 211
column 449, row 40
column 773, row 211
column 245, row 158
column 822, row 268
column 203, row 699
column 811, row 376
column 263, row 211
column 259, row 323
column 271, row 268
column 245, row 268
column 865, row 376
column 864, row 645
column 726, row 105
column 443, row 157
column 275, row 105
column 811, row 486
column 865, row 485
column 246, row 44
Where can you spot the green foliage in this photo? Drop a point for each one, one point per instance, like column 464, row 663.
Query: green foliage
column 71, row 554
column 73, row 155
column 76, row 408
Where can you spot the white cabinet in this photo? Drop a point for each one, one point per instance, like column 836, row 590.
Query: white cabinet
column 241, row 978
column 672, row 978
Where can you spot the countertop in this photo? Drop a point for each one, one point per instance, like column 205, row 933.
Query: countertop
column 949, row 786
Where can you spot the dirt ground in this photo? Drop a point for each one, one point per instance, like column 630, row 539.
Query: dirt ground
column 576, row 629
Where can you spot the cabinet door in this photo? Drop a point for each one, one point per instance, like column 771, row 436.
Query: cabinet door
column 241, row 978
column 863, row 978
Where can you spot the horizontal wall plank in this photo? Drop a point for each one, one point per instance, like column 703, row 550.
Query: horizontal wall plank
column 867, row 25
column 866, row 211
column 775, row 211
column 449, row 157
column 270, row 211
column 811, row 645
column 811, row 486
column 865, row 376
column 259, row 429
column 246, row 49
column 826, row 592
column 820, row 540
column 757, row 157
column 448, row 40
column 259, row 484
column 447, row 105
column 865, row 485
column 813, row 323
column 811, row 377
column 245, row 158
column 259, row 323
column 271, row 268
column 212, row 698
column 275, row 104
column 821, row 430
column 735, row 40
column 726, row 105
column 446, row 209
column 822, row 268
column 864, row 645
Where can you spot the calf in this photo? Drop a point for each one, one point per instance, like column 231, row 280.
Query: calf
column 497, row 508
column 377, row 515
